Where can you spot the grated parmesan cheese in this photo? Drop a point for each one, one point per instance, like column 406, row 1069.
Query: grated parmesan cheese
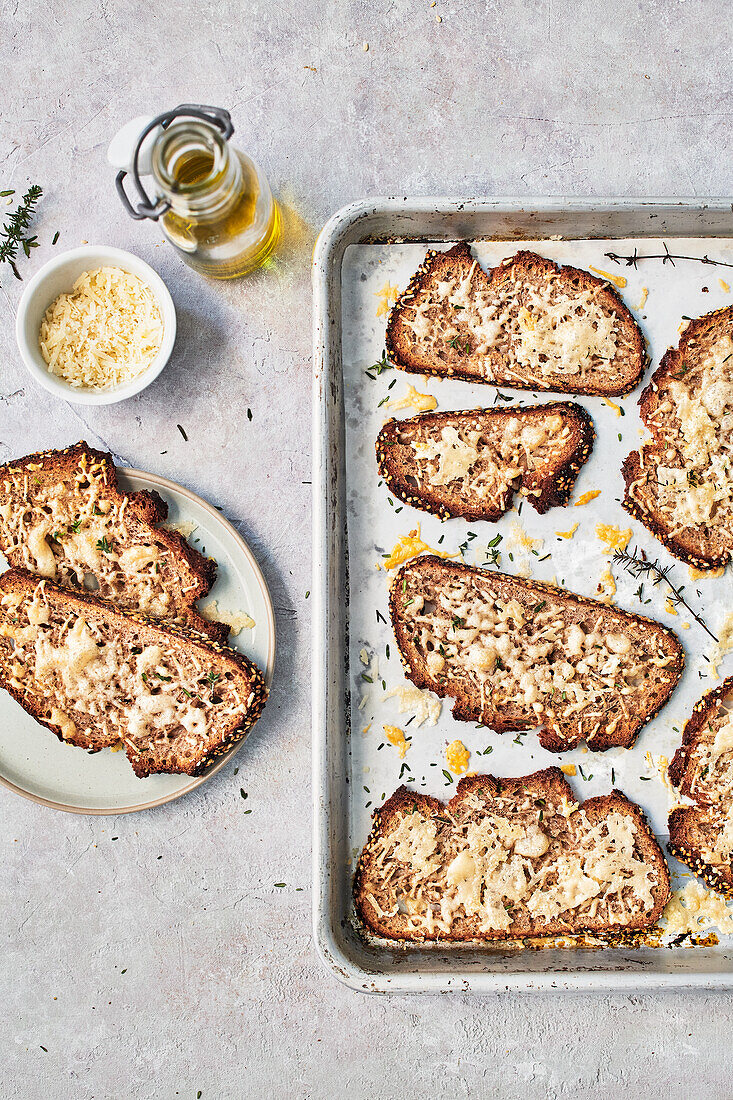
column 107, row 331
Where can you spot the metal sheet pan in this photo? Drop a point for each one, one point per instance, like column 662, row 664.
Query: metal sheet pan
column 361, row 248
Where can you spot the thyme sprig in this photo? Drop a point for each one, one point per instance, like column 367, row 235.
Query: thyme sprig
column 666, row 257
column 638, row 565
column 12, row 234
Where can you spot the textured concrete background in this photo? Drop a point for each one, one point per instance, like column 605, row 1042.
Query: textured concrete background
column 147, row 977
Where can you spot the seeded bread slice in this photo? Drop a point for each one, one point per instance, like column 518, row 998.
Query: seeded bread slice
column 702, row 769
column 507, row 859
column 64, row 517
column 518, row 654
column 527, row 323
column 98, row 676
column 471, row 463
column 680, row 484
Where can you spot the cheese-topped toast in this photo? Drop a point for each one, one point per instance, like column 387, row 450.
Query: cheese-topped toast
column 63, row 516
column 508, row 858
column 518, row 654
column 527, row 323
column 702, row 835
column 471, row 463
column 680, row 484
column 98, row 676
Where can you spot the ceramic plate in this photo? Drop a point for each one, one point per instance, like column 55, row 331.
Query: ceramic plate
column 35, row 764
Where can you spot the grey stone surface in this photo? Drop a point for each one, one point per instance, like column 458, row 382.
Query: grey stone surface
column 153, row 977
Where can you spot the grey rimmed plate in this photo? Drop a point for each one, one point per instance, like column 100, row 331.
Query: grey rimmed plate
column 36, row 765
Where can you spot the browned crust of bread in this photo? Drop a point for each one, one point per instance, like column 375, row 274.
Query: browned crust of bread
column 690, row 827
column 465, row 708
column 437, row 263
column 151, row 510
column 80, row 602
column 547, row 487
column 549, row 783
column 694, row 546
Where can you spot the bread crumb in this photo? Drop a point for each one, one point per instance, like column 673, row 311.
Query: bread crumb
column 607, row 587
column 365, row 47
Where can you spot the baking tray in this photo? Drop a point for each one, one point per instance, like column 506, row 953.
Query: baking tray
column 363, row 247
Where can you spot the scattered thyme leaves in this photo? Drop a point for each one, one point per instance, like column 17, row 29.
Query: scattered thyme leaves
column 379, row 367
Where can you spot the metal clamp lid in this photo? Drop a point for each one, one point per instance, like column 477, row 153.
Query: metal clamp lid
column 146, row 208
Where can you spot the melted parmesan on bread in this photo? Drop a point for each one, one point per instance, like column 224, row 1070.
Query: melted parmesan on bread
column 527, row 323
column 471, row 463
column 518, row 654
column 702, row 834
column 680, row 484
column 98, row 677
column 509, row 858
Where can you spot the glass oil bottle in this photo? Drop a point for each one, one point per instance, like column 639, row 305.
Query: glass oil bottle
column 212, row 202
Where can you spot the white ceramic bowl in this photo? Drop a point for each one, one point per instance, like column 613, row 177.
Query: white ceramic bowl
column 58, row 276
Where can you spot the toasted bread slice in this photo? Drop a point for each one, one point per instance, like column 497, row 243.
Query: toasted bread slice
column 680, row 484
column 702, row 769
column 64, row 517
column 471, row 463
column 518, row 654
column 509, row 858
column 527, row 323
column 98, row 676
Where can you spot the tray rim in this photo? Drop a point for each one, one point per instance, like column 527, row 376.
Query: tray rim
column 328, row 253
column 156, row 481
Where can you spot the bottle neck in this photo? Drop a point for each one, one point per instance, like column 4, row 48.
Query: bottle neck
column 196, row 171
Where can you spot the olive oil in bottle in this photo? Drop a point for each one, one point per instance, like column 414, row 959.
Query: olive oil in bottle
column 213, row 203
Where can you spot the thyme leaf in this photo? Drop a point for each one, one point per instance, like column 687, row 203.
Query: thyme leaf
column 639, row 566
